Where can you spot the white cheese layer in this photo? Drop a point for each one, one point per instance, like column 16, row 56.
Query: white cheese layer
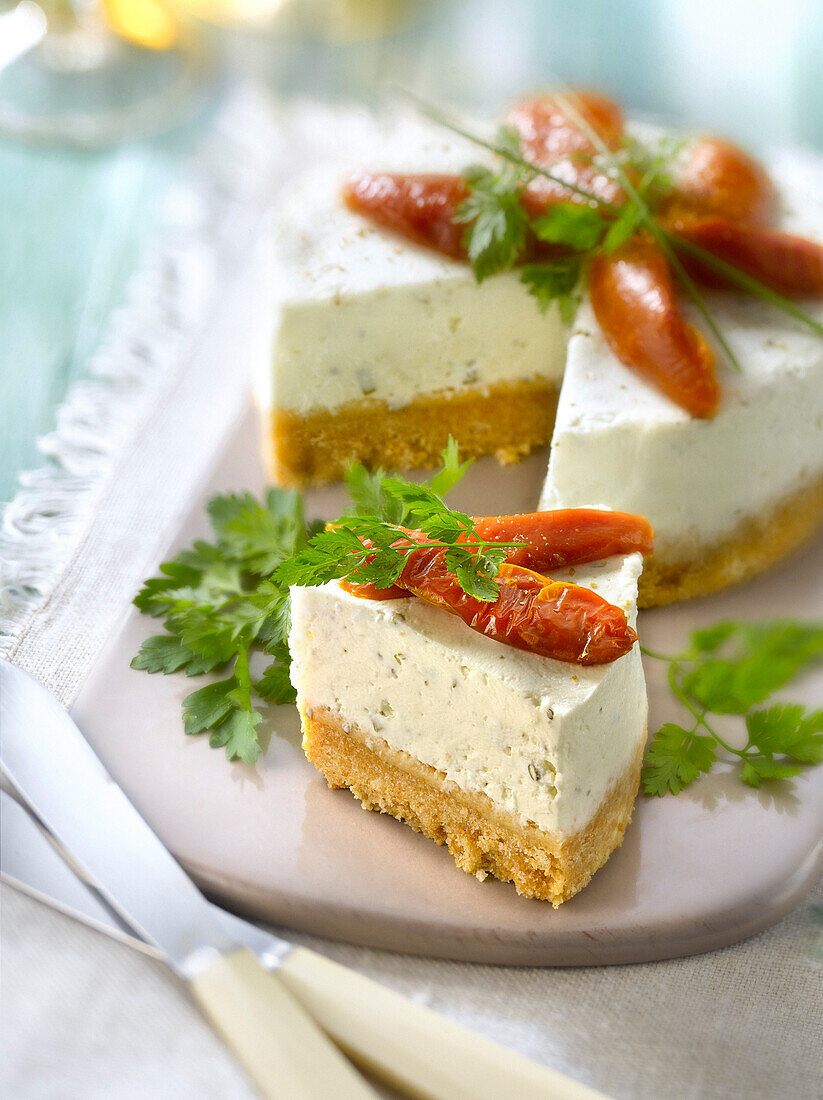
column 543, row 739
column 618, row 442
column 362, row 314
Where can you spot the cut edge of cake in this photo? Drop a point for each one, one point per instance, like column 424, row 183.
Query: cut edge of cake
column 508, row 420
column 758, row 543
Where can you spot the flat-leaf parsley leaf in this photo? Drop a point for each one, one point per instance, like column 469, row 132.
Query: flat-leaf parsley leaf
column 731, row 668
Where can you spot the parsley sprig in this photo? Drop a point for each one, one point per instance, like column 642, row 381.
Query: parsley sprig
column 225, row 600
column 218, row 603
column 729, row 669
column 499, row 228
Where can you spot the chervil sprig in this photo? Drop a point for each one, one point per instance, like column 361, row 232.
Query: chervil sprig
column 495, row 219
column 372, row 549
column 502, row 232
column 369, row 498
column 499, row 229
column 732, row 668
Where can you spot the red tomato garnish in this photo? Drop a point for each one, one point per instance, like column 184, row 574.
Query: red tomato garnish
column 633, row 298
column 722, row 199
column 542, row 193
column 549, row 133
column 551, row 540
column 552, row 139
column 550, row 618
column 790, row 265
column 567, row 536
column 719, row 178
column 420, row 208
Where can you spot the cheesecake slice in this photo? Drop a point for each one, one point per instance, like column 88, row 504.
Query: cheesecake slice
column 525, row 767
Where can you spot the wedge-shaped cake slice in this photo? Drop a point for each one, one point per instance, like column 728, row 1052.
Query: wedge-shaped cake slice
column 525, row 767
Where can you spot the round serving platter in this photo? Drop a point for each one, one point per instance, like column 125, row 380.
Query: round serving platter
column 707, row 868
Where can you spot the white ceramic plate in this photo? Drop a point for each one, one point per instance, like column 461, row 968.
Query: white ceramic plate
column 696, row 872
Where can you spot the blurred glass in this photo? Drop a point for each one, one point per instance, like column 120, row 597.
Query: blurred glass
column 336, row 20
column 79, row 72
column 748, row 68
column 329, row 49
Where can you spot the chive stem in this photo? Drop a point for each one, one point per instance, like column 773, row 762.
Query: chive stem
column 744, row 281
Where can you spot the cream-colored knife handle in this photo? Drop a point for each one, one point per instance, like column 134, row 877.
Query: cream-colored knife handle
column 413, row 1047
column 271, row 1034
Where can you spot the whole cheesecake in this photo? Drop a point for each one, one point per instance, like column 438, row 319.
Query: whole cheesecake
column 382, row 349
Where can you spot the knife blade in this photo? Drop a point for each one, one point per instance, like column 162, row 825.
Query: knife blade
column 46, row 757
column 31, row 861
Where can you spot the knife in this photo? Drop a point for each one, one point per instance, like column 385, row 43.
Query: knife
column 31, row 862
column 405, row 1044
column 48, row 760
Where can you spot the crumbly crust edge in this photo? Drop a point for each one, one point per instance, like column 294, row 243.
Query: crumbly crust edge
column 508, row 420
column 484, row 838
column 758, row 543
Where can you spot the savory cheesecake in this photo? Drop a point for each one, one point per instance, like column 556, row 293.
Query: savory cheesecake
column 382, row 349
column 526, row 767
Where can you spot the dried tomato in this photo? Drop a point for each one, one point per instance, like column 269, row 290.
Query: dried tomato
column 718, row 178
column 420, row 208
column 550, row 540
column 552, row 618
column 790, row 265
column 632, row 294
column 552, row 139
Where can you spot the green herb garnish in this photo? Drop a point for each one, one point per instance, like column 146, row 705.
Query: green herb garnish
column 496, row 221
column 732, row 668
column 554, row 282
column 497, row 233
column 639, row 214
column 362, row 547
column 223, row 601
column 218, row 604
